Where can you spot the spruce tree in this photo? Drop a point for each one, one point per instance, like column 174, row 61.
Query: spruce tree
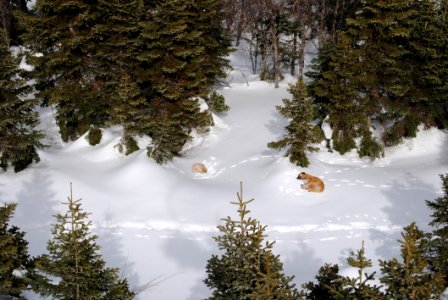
column 387, row 70
column 329, row 285
column 300, row 132
column 359, row 287
column 208, row 20
column 411, row 279
column 182, row 56
column 381, row 31
column 336, row 89
column 19, row 140
column 73, row 259
column 14, row 258
column 216, row 103
column 424, row 66
column 9, row 23
column 247, row 269
column 438, row 247
column 61, row 35
column 130, row 109
column 119, row 28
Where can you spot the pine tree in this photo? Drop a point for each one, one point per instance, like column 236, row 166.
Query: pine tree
column 387, row 67
column 74, row 260
column 180, row 59
column 300, row 130
column 130, row 109
column 414, row 83
column 247, row 269
column 359, row 288
column 438, row 247
column 14, row 258
column 9, row 21
column 410, row 279
column 329, row 285
column 216, row 103
column 119, row 28
column 62, row 37
column 336, row 89
column 381, row 31
column 208, row 20
column 19, row 140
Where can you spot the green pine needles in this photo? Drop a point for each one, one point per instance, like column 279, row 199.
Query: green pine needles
column 410, row 279
column 385, row 71
column 19, row 140
column 301, row 133
column 247, row 268
column 142, row 65
column 216, row 103
column 438, row 248
column 73, row 268
column 14, row 258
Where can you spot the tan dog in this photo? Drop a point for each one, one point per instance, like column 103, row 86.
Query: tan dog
column 311, row 183
column 199, row 168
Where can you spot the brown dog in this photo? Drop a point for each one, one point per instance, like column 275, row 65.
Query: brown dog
column 199, row 168
column 311, row 183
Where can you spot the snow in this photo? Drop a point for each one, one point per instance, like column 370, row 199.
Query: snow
column 156, row 223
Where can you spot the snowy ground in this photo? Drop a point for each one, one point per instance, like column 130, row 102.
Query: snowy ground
column 157, row 222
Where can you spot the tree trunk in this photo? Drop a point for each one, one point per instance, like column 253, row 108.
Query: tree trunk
column 301, row 51
column 264, row 61
column 254, row 52
column 275, row 51
column 321, row 29
column 292, row 63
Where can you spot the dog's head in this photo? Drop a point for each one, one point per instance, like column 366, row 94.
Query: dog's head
column 302, row 175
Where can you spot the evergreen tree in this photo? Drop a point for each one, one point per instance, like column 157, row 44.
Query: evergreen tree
column 119, row 29
column 247, row 269
column 331, row 285
column 410, row 279
column 387, row 67
column 63, row 41
column 19, row 140
column 216, row 103
column 438, row 247
column 328, row 286
column 208, row 20
column 381, row 31
column 9, row 22
column 94, row 136
column 337, row 93
column 130, row 109
column 14, row 259
column 359, row 288
column 423, row 68
column 73, row 259
column 414, row 85
column 300, row 130
column 182, row 55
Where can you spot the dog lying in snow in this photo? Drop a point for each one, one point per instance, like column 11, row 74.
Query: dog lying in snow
column 199, row 168
column 311, row 183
